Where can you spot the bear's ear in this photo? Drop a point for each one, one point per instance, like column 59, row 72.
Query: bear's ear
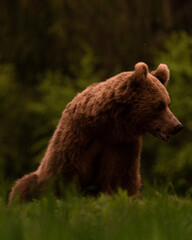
column 162, row 73
column 141, row 70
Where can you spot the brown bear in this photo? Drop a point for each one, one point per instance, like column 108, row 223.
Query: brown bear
column 98, row 140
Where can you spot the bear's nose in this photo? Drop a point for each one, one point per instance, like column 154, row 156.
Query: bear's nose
column 177, row 128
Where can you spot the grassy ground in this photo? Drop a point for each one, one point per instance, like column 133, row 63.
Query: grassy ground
column 159, row 217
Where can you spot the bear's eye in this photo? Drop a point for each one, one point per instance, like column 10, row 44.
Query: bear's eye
column 161, row 106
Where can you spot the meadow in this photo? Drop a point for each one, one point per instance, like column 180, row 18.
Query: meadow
column 156, row 216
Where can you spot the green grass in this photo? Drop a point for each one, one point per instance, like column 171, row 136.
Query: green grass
column 159, row 217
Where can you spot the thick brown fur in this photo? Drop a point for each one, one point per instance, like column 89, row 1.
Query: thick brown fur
column 99, row 137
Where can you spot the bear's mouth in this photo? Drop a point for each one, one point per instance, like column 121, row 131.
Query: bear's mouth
column 163, row 136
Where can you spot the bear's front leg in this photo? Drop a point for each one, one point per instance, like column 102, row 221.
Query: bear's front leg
column 120, row 168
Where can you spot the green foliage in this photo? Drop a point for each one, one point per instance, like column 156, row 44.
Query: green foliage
column 13, row 117
column 107, row 217
column 35, row 36
column 178, row 56
column 55, row 91
column 173, row 161
column 30, row 116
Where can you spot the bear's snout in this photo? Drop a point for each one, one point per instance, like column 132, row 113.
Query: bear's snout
column 177, row 129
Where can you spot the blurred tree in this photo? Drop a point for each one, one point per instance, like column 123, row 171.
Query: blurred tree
column 40, row 35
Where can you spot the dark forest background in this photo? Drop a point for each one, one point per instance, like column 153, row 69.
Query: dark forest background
column 50, row 50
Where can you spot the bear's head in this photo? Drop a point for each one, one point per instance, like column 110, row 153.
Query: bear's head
column 151, row 102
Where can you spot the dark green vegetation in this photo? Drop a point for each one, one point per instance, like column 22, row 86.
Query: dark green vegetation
column 50, row 50
column 160, row 217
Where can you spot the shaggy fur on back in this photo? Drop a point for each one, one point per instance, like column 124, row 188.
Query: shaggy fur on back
column 97, row 142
